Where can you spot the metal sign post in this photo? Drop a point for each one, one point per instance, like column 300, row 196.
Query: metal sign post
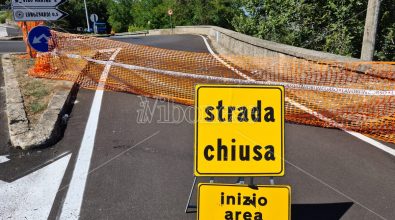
column 86, row 14
column 170, row 13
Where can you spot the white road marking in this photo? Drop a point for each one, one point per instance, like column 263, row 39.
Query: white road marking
column 334, row 189
column 4, row 159
column 310, row 111
column 32, row 196
column 72, row 205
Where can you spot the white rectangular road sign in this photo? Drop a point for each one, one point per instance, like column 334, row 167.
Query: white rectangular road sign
column 38, row 14
column 37, row 3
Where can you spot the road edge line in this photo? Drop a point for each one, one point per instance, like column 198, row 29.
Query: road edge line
column 360, row 136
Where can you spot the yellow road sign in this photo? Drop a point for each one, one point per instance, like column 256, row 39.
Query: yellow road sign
column 239, row 130
column 225, row 201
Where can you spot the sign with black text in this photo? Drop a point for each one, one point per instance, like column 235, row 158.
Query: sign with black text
column 37, row 10
column 37, row 3
column 242, row 202
column 239, row 130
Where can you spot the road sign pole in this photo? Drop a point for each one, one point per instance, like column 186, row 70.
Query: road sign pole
column 171, row 24
column 188, row 206
column 371, row 23
column 271, row 180
column 170, row 13
column 86, row 14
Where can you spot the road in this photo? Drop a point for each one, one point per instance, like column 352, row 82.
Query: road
column 144, row 170
column 7, row 46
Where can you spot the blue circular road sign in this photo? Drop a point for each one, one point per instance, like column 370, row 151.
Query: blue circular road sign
column 38, row 38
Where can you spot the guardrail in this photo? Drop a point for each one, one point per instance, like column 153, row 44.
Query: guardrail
column 242, row 44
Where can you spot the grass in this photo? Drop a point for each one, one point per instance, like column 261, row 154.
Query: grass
column 37, row 91
column 37, row 106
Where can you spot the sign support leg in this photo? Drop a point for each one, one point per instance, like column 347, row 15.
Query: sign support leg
column 252, row 181
column 271, row 180
column 188, row 206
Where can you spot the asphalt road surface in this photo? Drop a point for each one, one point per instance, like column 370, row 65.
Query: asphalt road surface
column 7, row 46
column 145, row 170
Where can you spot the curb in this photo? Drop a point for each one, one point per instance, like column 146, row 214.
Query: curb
column 11, row 38
column 51, row 125
column 132, row 33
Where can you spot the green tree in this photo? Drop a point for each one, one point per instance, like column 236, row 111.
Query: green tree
column 77, row 17
column 334, row 26
column 120, row 14
column 385, row 44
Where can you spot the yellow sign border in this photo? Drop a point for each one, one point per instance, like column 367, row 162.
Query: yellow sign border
column 199, row 86
column 244, row 185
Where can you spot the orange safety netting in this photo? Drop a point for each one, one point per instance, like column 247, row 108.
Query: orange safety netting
column 354, row 96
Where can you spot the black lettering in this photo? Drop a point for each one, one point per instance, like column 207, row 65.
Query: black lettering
column 210, row 116
column 238, row 213
column 233, row 150
column 262, row 201
column 245, row 153
column 228, row 215
column 269, row 115
column 230, row 200
column 258, row 216
column 269, row 155
column 258, row 153
column 250, row 201
column 230, row 113
column 256, row 113
column 243, row 115
column 206, row 152
column 247, row 215
column 222, row 151
column 220, row 108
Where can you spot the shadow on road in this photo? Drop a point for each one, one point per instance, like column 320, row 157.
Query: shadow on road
column 331, row 211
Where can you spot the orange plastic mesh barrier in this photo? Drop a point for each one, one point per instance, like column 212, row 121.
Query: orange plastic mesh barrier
column 353, row 96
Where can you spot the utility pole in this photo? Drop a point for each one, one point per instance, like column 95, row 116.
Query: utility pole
column 369, row 37
column 87, row 16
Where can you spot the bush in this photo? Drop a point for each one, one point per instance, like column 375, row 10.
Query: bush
column 133, row 28
column 3, row 17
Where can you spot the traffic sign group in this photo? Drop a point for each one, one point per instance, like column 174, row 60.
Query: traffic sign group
column 239, row 132
column 31, row 10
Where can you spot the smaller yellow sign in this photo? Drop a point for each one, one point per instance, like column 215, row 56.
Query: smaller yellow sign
column 243, row 202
